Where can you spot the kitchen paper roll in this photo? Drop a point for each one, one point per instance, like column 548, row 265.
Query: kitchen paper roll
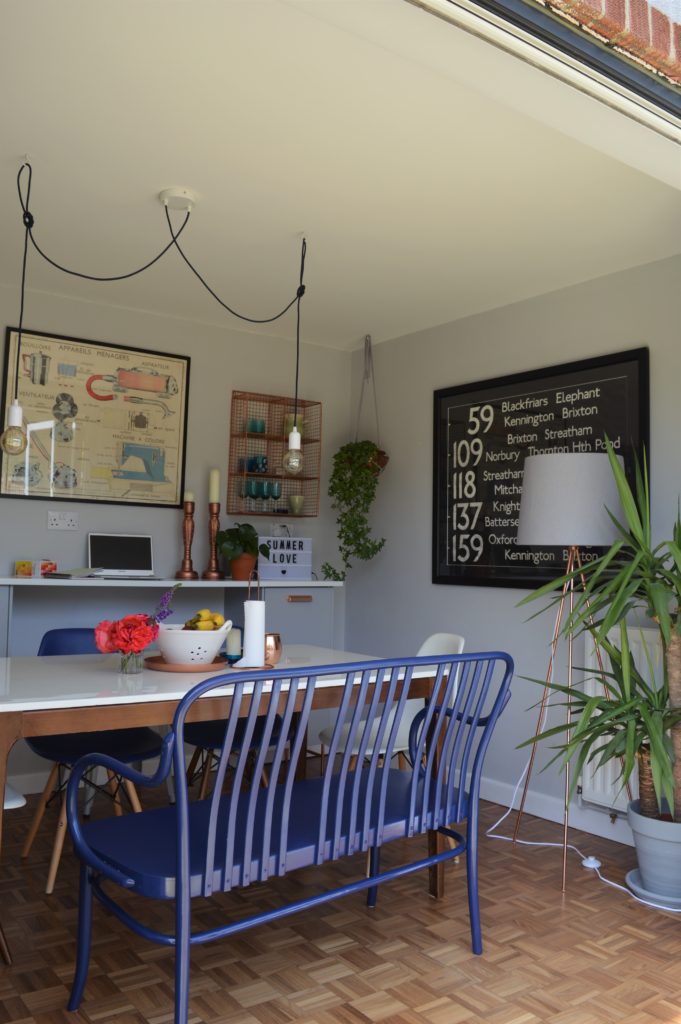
column 254, row 636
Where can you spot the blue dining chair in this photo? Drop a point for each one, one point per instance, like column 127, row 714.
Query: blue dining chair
column 207, row 739
column 126, row 745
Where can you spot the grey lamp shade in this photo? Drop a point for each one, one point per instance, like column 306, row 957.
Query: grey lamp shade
column 564, row 501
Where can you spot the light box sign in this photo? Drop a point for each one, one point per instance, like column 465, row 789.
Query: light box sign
column 483, row 433
column 290, row 558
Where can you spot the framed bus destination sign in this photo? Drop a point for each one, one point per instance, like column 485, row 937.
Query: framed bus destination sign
column 483, row 433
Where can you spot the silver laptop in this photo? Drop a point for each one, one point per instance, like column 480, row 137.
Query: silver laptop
column 120, row 555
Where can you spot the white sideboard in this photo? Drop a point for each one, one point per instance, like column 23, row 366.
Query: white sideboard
column 302, row 611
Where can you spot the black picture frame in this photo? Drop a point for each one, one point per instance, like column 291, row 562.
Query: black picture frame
column 509, row 418
column 113, row 421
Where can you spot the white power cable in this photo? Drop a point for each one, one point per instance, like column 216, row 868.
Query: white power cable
column 588, row 862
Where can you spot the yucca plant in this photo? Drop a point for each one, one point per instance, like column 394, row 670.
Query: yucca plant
column 628, row 721
column 635, row 574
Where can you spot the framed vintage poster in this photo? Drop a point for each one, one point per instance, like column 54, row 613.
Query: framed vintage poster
column 104, row 422
column 482, row 435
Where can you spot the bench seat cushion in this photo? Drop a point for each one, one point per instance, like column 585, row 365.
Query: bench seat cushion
column 143, row 846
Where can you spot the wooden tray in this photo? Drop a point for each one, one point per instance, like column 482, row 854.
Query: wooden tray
column 157, row 662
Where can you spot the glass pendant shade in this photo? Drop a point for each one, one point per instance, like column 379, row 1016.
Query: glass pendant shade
column 293, row 460
column 13, row 441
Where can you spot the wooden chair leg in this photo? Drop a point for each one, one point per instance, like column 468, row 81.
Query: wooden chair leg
column 402, row 762
column 4, row 948
column 191, row 770
column 353, row 763
column 112, row 786
column 132, row 796
column 205, row 778
column 59, row 838
column 40, row 811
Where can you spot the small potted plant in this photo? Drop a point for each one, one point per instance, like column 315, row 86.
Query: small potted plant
column 354, row 478
column 239, row 546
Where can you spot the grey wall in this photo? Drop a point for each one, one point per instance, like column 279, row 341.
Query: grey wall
column 391, row 603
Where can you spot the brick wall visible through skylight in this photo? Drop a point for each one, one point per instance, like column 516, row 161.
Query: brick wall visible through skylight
column 649, row 31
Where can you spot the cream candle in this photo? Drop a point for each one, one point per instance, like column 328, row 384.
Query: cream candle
column 214, row 486
column 188, row 495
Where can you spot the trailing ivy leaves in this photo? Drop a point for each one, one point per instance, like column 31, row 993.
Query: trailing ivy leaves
column 352, row 487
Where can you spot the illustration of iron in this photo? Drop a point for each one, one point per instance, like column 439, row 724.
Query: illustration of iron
column 153, row 459
column 150, row 401
column 135, row 379
column 36, row 366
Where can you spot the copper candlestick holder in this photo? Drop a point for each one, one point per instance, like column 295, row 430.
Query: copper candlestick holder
column 212, row 572
column 187, row 572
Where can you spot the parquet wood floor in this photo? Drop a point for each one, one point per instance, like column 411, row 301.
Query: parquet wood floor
column 591, row 956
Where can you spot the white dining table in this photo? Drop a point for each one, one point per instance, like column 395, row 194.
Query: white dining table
column 86, row 693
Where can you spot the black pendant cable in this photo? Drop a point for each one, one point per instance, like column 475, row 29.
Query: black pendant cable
column 14, row 440
column 11, row 439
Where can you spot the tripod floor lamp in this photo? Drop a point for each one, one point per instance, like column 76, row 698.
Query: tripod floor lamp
column 564, row 503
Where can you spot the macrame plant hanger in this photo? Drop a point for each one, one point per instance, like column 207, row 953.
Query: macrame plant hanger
column 368, row 375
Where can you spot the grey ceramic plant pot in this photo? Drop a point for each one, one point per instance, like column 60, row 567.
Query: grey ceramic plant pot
column 658, row 849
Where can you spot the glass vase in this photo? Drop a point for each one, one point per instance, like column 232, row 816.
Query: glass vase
column 131, row 664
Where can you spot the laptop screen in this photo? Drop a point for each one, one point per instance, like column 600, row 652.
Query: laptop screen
column 120, row 552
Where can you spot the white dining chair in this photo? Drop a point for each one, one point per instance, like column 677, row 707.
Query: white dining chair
column 436, row 644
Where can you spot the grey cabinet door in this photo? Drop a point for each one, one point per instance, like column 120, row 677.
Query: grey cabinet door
column 302, row 616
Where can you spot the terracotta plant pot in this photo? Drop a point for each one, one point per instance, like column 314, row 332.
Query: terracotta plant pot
column 241, row 568
column 379, row 461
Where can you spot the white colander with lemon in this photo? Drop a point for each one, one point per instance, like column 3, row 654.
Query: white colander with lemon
column 198, row 640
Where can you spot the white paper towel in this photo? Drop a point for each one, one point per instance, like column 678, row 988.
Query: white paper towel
column 254, row 636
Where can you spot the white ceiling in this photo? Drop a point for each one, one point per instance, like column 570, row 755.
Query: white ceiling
column 428, row 185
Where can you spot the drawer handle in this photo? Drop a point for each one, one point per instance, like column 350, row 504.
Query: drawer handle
column 299, row 598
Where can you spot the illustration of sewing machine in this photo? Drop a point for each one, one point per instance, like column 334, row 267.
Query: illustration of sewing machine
column 134, row 379
column 152, row 458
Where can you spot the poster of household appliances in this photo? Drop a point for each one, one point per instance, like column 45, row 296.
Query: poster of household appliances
column 103, row 422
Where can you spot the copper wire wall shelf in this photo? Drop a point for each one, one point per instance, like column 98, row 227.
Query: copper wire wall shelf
column 256, row 482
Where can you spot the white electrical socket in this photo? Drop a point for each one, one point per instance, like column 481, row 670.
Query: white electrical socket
column 61, row 520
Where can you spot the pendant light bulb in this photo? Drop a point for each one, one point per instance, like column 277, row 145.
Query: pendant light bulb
column 13, row 441
column 293, row 460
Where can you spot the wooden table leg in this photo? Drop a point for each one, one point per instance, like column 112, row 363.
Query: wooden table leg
column 436, row 872
column 10, row 732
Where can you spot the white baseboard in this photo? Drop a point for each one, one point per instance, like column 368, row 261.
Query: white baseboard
column 550, row 808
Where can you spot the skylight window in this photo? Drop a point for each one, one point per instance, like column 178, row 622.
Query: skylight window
column 636, row 43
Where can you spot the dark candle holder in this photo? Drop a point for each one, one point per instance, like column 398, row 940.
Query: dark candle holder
column 187, row 572
column 212, row 572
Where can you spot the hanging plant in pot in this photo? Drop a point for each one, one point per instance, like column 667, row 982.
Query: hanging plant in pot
column 239, row 546
column 353, row 483
column 636, row 720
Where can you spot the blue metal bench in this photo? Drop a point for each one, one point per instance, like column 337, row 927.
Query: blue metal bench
column 245, row 832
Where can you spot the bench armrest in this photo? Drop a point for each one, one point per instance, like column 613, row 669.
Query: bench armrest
column 126, row 771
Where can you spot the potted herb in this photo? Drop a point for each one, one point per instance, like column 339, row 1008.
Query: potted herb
column 239, row 546
column 353, row 483
column 635, row 720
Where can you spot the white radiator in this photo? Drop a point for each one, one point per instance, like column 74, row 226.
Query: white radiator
column 602, row 787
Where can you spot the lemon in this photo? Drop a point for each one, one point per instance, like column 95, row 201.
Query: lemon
column 203, row 613
column 205, row 624
column 218, row 619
